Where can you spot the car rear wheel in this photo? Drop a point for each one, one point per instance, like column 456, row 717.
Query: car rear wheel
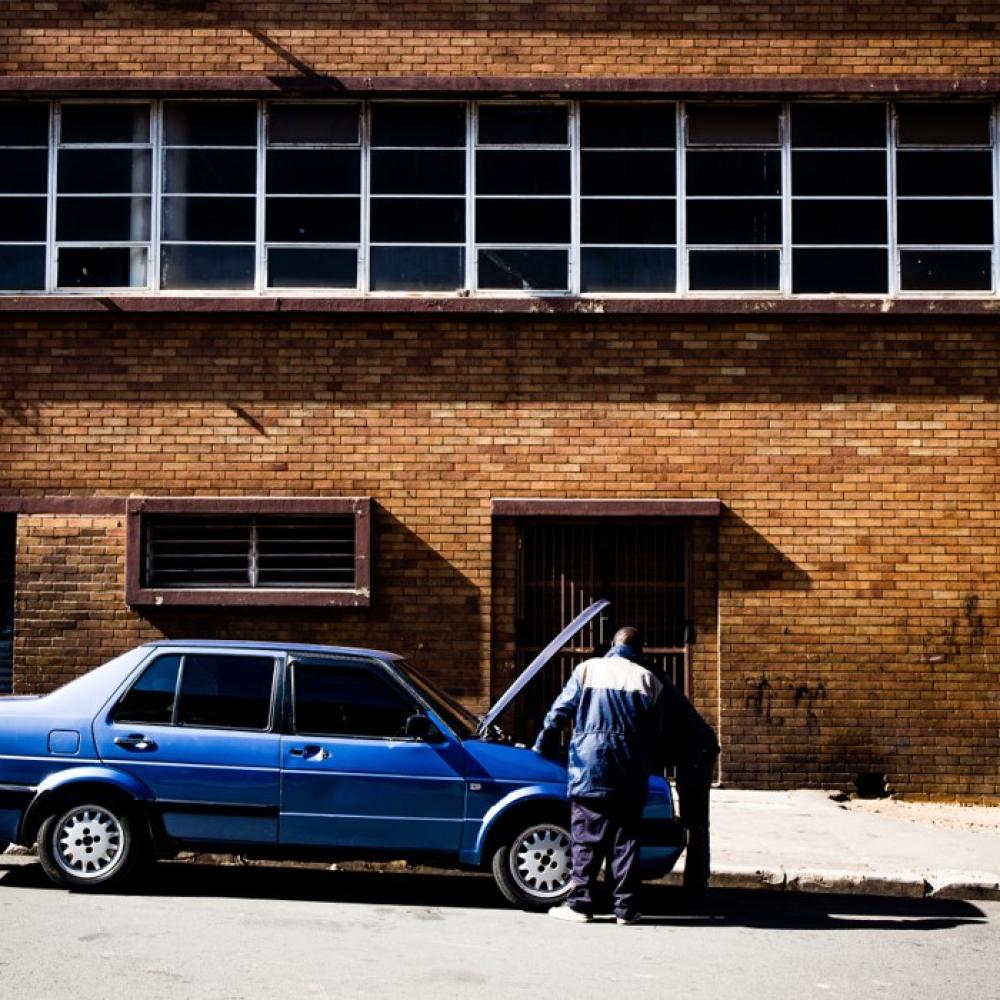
column 532, row 866
column 90, row 846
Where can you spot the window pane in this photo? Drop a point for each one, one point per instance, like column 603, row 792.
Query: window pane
column 516, row 124
column 944, row 172
column 628, row 125
column 105, row 123
column 944, row 270
column 627, row 270
column 101, row 219
column 525, row 171
column 944, row 221
column 335, row 700
column 839, row 221
column 953, row 124
column 312, row 268
column 306, row 551
column 24, row 171
column 861, row 124
column 838, row 173
column 816, row 272
column 197, row 551
column 417, row 220
column 525, row 270
column 106, row 267
column 24, row 123
column 226, row 692
column 733, row 124
column 417, row 171
column 418, row 124
column 104, row 171
column 193, row 267
column 217, row 123
column 151, row 698
column 614, row 221
column 749, row 221
column 313, row 220
column 22, row 219
column 742, row 172
column 196, row 171
column 734, row 270
column 627, row 172
column 229, row 220
column 313, row 123
column 314, row 171
column 440, row 269
column 22, row 268
column 512, row 220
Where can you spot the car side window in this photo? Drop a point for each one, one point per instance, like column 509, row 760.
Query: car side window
column 150, row 699
column 342, row 700
column 226, row 692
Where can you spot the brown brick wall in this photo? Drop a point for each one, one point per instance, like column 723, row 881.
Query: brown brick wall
column 859, row 549
column 499, row 37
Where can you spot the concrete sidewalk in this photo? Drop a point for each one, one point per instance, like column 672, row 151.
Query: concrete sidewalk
column 806, row 841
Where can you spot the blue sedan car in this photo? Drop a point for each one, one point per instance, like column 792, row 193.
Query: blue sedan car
column 287, row 751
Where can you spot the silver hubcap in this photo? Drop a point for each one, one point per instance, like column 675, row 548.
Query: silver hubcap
column 539, row 861
column 89, row 842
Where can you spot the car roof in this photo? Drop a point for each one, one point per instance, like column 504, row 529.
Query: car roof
column 291, row 647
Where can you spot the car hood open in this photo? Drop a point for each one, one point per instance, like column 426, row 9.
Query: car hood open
column 588, row 614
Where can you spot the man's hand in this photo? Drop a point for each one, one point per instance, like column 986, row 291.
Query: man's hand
column 547, row 744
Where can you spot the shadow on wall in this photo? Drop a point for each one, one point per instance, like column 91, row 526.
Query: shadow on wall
column 748, row 561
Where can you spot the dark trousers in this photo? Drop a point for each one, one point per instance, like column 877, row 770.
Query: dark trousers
column 694, row 783
column 605, row 829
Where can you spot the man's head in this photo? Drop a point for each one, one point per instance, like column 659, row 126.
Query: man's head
column 628, row 636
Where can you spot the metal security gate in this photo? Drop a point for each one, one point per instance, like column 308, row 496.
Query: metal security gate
column 8, row 536
column 641, row 567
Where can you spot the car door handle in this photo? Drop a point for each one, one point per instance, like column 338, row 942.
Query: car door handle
column 310, row 750
column 135, row 741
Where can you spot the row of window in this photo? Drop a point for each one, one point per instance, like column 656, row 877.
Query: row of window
column 809, row 197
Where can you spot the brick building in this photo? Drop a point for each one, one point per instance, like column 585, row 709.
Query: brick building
column 419, row 328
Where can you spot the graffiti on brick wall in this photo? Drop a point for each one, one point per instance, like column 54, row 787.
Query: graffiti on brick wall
column 779, row 701
column 965, row 633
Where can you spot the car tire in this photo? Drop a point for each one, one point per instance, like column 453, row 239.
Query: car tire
column 91, row 845
column 532, row 864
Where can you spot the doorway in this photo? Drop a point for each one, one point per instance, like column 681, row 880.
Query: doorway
column 8, row 536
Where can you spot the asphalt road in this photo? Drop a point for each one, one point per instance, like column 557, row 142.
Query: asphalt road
column 224, row 933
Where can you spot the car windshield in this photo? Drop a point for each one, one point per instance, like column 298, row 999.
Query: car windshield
column 459, row 718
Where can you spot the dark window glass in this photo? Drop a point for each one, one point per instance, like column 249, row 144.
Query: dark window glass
column 102, row 219
column 512, row 220
column 817, row 272
column 525, row 270
column 749, row 221
column 207, row 219
column 313, row 123
column 24, row 124
column 417, row 220
column 634, row 173
column 944, row 172
column 313, row 171
column 418, row 124
column 944, row 221
column 22, row 268
column 339, row 700
column 204, row 171
column 742, row 172
column 733, row 124
column 24, row 171
column 946, row 270
column 206, row 267
column 627, row 269
column 151, row 698
column 198, row 551
column 628, row 125
column 22, row 219
column 306, row 551
column 516, row 124
column 953, row 124
column 216, row 123
column 312, row 268
column 431, row 269
column 103, row 171
column 104, row 267
column 417, row 171
column 522, row 171
column 734, row 270
column 861, row 124
column 105, row 123
column 839, row 221
column 838, row 173
column 614, row 221
column 226, row 692
column 313, row 220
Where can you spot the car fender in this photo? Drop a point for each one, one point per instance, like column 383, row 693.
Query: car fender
column 547, row 794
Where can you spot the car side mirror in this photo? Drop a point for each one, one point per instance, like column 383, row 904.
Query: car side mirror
column 420, row 727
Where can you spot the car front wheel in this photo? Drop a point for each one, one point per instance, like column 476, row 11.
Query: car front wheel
column 532, row 866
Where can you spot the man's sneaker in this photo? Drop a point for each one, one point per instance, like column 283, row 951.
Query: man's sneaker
column 628, row 921
column 566, row 912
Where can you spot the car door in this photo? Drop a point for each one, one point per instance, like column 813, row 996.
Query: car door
column 351, row 777
column 197, row 728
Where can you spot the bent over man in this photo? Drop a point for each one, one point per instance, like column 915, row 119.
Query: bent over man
column 613, row 704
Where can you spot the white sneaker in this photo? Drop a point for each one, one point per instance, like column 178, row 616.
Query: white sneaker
column 566, row 912
column 628, row 921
